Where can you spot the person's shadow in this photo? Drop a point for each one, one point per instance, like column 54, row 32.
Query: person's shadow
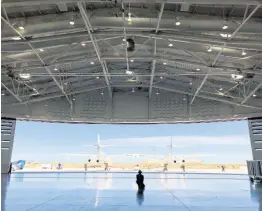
column 140, row 197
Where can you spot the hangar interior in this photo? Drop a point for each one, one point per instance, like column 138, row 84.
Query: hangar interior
column 135, row 61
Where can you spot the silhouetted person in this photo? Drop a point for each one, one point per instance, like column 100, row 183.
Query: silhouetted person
column 183, row 167
column 165, row 167
column 85, row 166
column 59, row 166
column 10, row 169
column 106, row 166
column 140, row 180
column 223, row 168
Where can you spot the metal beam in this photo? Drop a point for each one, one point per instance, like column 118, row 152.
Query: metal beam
column 13, row 3
column 12, row 93
column 213, row 64
column 85, row 19
column 41, row 60
column 251, row 93
column 152, row 71
column 160, row 16
column 207, row 97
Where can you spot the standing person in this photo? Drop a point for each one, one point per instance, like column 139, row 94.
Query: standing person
column 183, row 167
column 140, row 181
column 223, row 168
column 85, row 166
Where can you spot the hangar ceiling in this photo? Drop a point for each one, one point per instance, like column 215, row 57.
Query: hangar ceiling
column 75, row 61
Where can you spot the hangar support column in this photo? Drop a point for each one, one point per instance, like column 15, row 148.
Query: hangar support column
column 7, row 139
column 255, row 132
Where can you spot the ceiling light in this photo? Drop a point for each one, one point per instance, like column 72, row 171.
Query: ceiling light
column 237, row 76
column 133, row 90
column 244, row 53
column 129, row 19
column 209, row 49
column 220, row 88
column 65, row 83
column 21, row 27
column 97, row 77
column 45, row 105
column 170, row 44
column 16, row 38
column 92, row 62
column 123, row 40
column 184, row 98
column 164, row 63
column 83, row 44
column 132, row 60
column 225, row 27
column 157, row 93
column 197, row 69
column 55, row 69
column 254, row 95
column 128, row 72
column 25, row 75
column 72, row 23
column 161, row 77
column 225, row 35
column 102, row 93
column 41, row 49
column 3, row 93
column 178, row 23
column 73, row 99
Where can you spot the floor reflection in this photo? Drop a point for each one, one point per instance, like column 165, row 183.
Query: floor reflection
column 116, row 191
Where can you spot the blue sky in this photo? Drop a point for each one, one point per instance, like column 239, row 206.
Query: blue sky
column 228, row 142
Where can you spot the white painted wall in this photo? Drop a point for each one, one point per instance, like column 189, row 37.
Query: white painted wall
column 7, row 139
column 255, row 132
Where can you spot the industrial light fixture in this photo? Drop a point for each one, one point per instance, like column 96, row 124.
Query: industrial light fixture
column 133, row 90
column 254, row 95
column 161, row 77
column 164, row 63
column 16, row 38
column 220, row 88
column 157, row 93
column 41, row 49
column 170, row 45
column 25, row 75
column 184, row 98
column 45, row 105
column 132, row 60
column 102, row 93
column 92, row 62
column 83, row 44
column 65, row 83
column 71, row 22
column 128, row 72
column 55, row 69
column 21, row 27
column 129, row 19
column 209, row 49
column 3, row 93
column 97, row 77
column 237, row 76
column 243, row 52
column 225, row 27
column 225, row 35
column 73, row 99
column 124, row 40
column 178, row 23
column 190, row 83
column 197, row 69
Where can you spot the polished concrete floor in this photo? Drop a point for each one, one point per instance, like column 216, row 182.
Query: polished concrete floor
column 118, row 191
